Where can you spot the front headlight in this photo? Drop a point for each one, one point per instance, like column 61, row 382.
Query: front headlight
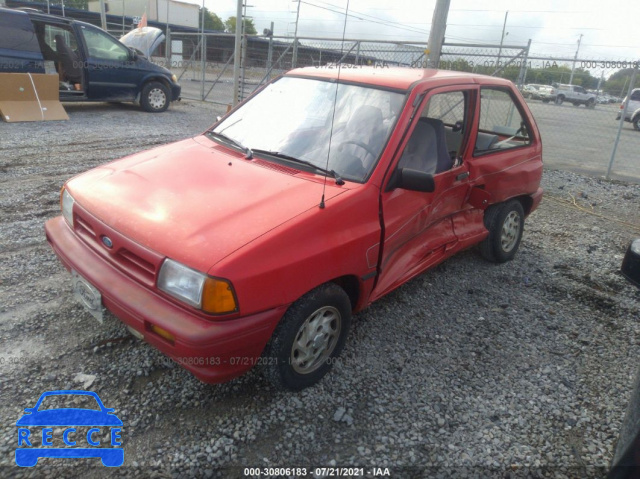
column 174, row 78
column 66, row 205
column 211, row 295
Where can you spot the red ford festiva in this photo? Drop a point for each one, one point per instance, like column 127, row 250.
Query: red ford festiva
column 257, row 240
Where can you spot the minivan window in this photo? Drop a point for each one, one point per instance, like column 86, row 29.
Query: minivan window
column 17, row 34
column 101, row 46
column 50, row 33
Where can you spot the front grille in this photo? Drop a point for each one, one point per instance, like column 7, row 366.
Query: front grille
column 128, row 256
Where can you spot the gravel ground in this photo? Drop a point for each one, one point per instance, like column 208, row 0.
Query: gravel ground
column 470, row 370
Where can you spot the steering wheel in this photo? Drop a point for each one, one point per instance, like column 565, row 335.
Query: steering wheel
column 367, row 148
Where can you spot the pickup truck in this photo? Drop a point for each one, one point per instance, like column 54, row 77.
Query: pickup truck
column 255, row 242
column 574, row 94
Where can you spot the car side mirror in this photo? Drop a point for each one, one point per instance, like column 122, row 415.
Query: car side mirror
column 415, row 180
column 133, row 55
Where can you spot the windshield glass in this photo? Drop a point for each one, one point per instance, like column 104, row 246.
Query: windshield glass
column 293, row 117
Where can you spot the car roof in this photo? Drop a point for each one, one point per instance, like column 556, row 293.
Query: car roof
column 397, row 77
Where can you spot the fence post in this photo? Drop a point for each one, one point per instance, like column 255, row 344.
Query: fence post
column 623, row 113
column 243, row 60
column 294, row 58
column 203, row 63
column 523, row 66
column 270, row 58
column 168, row 48
column 358, row 54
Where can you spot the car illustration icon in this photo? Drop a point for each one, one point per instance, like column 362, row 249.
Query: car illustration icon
column 70, row 424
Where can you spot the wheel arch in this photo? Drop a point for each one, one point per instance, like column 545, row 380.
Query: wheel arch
column 526, row 201
column 351, row 285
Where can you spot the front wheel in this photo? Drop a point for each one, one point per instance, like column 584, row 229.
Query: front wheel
column 505, row 223
column 559, row 100
column 591, row 103
column 308, row 339
column 155, row 97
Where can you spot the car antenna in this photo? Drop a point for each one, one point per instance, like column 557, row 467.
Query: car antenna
column 335, row 100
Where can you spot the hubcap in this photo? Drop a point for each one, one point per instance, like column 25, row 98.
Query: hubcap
column 316, row 340
column 510, row 231
column 157, row 98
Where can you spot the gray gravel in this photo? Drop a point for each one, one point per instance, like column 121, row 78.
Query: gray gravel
column 470, row 370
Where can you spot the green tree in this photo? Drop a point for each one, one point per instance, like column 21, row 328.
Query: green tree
column 618, row 83
column 249, row 27
column 211, row 21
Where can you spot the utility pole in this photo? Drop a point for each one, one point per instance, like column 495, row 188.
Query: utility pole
column 573, row 66
column 436, row 35
column 103, row 16
column 238, row 53
column 504, row 26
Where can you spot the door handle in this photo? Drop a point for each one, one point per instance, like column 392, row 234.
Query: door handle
column 462, row 176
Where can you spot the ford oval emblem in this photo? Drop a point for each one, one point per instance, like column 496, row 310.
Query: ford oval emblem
column 107, row 242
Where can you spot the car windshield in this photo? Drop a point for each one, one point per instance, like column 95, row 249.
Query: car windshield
column 61, row 401
column 296, row 118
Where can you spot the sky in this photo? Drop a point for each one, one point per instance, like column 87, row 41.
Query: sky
column 609, row 29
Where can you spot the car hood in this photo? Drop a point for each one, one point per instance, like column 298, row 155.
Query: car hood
column 145, row 39
column 196, row 201
column 69, row 417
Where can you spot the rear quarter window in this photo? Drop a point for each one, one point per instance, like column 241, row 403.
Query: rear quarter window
column 16, row 33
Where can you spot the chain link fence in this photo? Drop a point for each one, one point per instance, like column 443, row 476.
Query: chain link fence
column 580, row 129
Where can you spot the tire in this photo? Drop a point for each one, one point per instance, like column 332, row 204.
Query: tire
column 505, row 223
column 636, row 122
column 155, row 97
column 591, row 103
column 325, row 313
column 559, row 100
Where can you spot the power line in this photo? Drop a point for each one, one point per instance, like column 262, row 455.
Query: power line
column 385, row 23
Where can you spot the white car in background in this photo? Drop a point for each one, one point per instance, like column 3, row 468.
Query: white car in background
column 632, row 114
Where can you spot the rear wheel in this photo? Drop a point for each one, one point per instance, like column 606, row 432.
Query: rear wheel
column 308, row 338
column 155, row 97
column 505, row 223
column 636, row 122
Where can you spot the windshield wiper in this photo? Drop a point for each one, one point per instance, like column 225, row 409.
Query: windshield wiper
column 277, row 154
column 247, row 151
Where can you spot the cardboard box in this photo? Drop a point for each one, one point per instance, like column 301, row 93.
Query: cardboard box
column 30, row 97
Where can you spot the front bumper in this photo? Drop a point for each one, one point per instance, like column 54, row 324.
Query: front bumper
column 213, row 350
column 175, row 92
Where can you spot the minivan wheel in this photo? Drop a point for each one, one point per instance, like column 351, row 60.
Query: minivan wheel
column 505, row 223
column 308, row 339
column 155, row 97
column 636, row 122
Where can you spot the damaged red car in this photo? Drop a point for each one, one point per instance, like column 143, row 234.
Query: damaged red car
column 255, row 242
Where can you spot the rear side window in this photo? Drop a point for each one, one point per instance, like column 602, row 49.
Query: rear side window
column 16, row 33
column 501, row 124
column 635, row 95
